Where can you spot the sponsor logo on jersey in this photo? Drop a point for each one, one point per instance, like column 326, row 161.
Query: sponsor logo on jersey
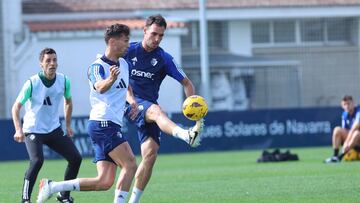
column 47, row 101
column 121, row 84
column 143, row 74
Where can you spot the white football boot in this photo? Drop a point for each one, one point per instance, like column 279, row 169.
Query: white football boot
column 44, row 191
column 195, row 133
column 333, row 159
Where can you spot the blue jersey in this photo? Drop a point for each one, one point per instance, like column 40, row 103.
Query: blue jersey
column 348, row 120
column 148, row 70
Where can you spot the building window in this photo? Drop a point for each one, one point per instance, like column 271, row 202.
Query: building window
column 312, row 30
column 305, row 31
column 338, row 29
column 217, row 36
column 191, row 40
column 284, row 31
column 260, row 32
column 217, row 31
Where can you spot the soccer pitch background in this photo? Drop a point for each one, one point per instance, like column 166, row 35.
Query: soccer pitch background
column 232, row 176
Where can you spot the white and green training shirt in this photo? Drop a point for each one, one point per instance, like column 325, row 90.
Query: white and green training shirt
column 42, row 98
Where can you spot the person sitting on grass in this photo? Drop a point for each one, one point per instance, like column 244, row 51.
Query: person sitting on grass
column 348, row 134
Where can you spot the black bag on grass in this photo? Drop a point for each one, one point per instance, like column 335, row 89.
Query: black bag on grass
column 277, row 156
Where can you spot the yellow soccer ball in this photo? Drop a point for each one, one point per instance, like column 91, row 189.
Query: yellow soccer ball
column 195, row 107
column 352, row 155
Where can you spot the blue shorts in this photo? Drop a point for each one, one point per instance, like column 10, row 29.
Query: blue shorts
column 144, row 130
column 105, row 136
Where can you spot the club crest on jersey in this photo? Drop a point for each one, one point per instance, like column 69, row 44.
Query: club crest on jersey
column 153, row 61
column 134, row 60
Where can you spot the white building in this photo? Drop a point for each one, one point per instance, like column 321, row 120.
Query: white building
column 263, row 54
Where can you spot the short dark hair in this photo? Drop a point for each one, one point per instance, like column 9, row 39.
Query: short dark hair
column 116, row 30
column 156, row 19
column 46, row 51
column 347, row 98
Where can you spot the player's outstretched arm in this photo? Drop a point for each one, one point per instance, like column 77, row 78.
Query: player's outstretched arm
column 189, row 88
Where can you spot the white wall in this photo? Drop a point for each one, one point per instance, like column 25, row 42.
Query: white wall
column 240, row 37
column 75, row 53
column 12, row 30
column 171, row 91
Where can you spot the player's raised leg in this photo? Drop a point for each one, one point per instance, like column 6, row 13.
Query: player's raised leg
column 192, row 136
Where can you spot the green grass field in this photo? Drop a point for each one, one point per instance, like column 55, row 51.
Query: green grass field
column 232, row 176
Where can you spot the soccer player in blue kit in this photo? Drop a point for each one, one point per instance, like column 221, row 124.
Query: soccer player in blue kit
column 109, row 88
column 348, row 134
column 150, row 65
